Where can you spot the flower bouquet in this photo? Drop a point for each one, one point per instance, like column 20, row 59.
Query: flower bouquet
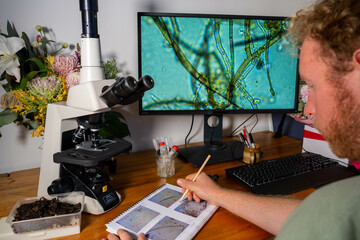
column 301, row 117
column 34, row 74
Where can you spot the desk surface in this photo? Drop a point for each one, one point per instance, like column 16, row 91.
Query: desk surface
column 136, row 177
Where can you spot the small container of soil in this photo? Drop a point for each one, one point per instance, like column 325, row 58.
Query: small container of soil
column 48, row 213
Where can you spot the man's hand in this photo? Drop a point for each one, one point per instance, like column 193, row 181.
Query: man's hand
column 203, row 188
column 123, row 235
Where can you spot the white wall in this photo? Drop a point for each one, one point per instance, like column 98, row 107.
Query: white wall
column 118, row 34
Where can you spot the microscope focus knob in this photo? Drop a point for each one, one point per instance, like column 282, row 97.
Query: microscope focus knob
column 61, row 185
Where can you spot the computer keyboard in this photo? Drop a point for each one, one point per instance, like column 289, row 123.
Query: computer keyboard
column 289, row 174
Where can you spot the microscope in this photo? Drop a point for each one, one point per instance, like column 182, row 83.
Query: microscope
column 80, row 167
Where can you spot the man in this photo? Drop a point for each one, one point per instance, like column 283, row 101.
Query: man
column 329, row 37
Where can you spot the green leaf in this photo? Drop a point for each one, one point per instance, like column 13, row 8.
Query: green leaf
column 115, row 125
column 28, row 77
column 48, row 41
column 38, row 62
column 7, row 117
column 34, row 124
column 31, row 125
column 28, row 121
column 6, row 87
column 32, row 74
column 28, row 45
column 11, row 30
column 113, row 116
column 119, row 130
column 14, row 85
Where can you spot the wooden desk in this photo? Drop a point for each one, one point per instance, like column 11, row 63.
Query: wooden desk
column 136, row 177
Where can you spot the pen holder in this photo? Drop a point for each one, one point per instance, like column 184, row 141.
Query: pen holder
column 251, row 155
column 165, row 165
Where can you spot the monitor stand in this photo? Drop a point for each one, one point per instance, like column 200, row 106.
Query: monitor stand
column 220, row 151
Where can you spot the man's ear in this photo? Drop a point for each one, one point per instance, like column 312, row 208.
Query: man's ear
column 356, row 71
column 356, row 58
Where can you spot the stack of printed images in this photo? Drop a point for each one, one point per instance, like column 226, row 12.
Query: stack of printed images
column 162, row 217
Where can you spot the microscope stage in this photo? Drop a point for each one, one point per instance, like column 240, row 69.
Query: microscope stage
column 88, row 157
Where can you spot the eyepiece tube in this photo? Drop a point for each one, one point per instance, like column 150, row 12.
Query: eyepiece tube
column 125, row 87
column 145, row 83
column 89, row 9
column 126, row 90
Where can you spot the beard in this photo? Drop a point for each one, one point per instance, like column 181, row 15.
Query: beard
column 342, row 132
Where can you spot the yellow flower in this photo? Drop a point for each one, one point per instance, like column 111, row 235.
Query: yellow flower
column 39, row 131
column 30, row 101
column 49, row 61
column 16, row 108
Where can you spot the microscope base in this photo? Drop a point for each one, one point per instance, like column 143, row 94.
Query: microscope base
column 92, row 206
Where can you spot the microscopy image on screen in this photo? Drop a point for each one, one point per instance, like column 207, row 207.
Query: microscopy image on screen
column 166, row 229
column 208, row 63
column 166, row 197
column 137, row 218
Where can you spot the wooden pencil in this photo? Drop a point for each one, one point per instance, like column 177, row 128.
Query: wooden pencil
column 197, row 174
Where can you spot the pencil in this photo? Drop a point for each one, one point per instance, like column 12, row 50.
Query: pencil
column 197, row 174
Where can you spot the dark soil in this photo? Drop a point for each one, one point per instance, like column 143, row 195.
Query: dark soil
column 45, row 208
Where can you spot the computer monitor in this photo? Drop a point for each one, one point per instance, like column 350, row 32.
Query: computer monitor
column 213, row 65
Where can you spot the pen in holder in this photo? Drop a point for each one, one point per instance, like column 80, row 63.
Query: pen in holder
column 251, row 155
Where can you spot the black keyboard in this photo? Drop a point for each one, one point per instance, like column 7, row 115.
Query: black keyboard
column 290, row 174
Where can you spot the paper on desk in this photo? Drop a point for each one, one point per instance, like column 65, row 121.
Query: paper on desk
column 314, row 142
column 161, row 216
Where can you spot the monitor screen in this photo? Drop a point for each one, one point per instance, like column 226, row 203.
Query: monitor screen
column 205, row 64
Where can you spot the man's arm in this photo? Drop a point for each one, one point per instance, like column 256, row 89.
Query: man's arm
column 266, row 212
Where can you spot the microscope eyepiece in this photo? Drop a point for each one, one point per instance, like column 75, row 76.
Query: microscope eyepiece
column 126, row 90
column 125, row 86
column 145, row 83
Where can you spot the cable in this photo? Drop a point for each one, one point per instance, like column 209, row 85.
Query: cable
column 304, row 149
column 192, row 123
column 211, row 138
column 212, row 134
column 257, row 120
column 231, row 134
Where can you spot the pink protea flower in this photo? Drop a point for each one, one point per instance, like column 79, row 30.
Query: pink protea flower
column 304, row 92
column 72, row 79
column 64, row 64
column 47, row 87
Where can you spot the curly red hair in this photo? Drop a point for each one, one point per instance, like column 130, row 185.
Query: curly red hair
column 335, row 24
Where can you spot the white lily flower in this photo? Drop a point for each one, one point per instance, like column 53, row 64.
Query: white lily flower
column 9, row 61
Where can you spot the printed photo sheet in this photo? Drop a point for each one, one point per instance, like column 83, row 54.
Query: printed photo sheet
column 161, row 216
